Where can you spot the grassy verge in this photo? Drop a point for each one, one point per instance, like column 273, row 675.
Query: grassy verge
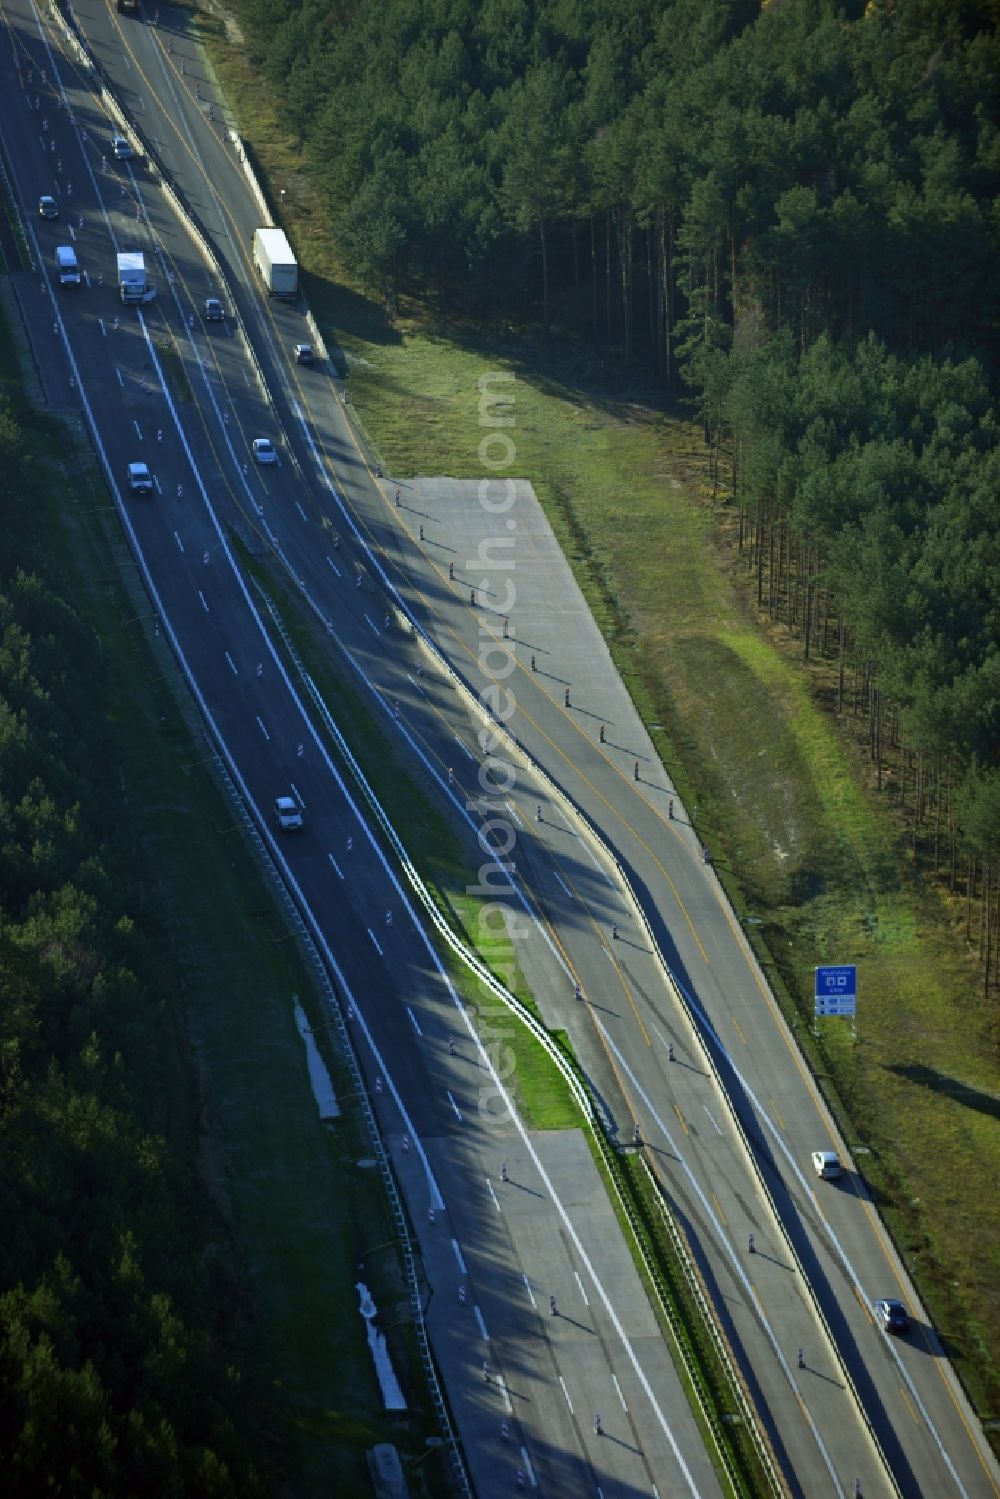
column 774, row 781
column 440, row 848
column 298, row 1213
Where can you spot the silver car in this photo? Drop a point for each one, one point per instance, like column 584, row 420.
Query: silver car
column 288, row 814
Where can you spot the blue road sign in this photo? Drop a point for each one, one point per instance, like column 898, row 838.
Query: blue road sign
column 837, row 990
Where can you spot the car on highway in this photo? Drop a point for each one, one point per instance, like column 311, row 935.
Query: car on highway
column 48, row 208
column 139, row 478
column 826, row 1163
column 288, row 814
column 214, row 311
column 263, row 450
column 121, row 148
column 303, row 353
column 893, row 1315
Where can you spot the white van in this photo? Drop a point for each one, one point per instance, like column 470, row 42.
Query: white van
column 67, row 266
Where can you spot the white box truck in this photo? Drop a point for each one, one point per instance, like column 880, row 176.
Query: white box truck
column 272, row 255
column 67, row 266
column 134, row 285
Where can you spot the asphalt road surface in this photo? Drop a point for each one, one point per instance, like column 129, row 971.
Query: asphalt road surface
column 734, row 1071
column 525, row 1385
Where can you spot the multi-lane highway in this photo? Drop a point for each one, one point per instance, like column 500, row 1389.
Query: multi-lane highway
column 516, row 1219
column 674, row 1023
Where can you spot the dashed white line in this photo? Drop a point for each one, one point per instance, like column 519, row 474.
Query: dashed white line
column 566, row 1393
column 711, row 1116
column 514, row 813
column 464, row 748
column 458, row 1255
column 621, row 1397
column 563, row 883
column 580, row 1284
column 335, row 865
column 493, row 1194
column 204, row 605
column 138, row 429
column 413, row 1021
column 659, row 1034
column 334, row 566
column 121, row 382
column 232, row 664
column 454, row 1105
column 301, row 512
column 526, row 1460
column 260, row 724
column 178, row 541
column 482, row 1325
column 375, row 941
column 371, row 622
column 531, row 1294
column 502, row 1387
column 298, row 796
column 414, row 683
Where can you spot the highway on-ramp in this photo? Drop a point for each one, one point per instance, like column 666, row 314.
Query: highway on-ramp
column 503, row 1217
column 629, row 1018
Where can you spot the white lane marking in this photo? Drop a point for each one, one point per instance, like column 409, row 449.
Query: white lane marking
column 464, row 748
column 514, row 814
column 298, row 796
column 301, row 512
column 138, row 429
column 104, row 331
column 159, row 486
column 414, row 683
column 566, row 1393
column 458, row 1255
column 121, row 382
column 621, row 1397
column 659, row 1034
column 232, row 664
column 493, row 1194
column 482, row 1324
column 531, row 1294
column 502, row 1387
column 458, row 1111
column 563, row 883
column 608, row 954
column 526, row 1460
column 711, row 1116
column 335, row 865
column 260, row 723
column 413, row 1021
column 334, row 566
column 203, row 603
column 178, row 541
column 723, row 1239
column 370, row 621
column 375, row 941
column 596, row 863
column 580, row 1284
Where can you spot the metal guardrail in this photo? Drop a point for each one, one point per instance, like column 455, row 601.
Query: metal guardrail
column 335, row 1008
column 184, row 210
column 578, row 1089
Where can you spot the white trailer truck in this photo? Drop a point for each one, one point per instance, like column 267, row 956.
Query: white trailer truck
column 272, row 255
column 134, row 286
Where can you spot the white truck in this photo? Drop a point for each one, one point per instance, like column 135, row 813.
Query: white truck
column 272, row 255
column 134, row 285
column 67, row 266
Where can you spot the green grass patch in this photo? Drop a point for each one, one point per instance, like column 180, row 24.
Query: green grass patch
column 301, row 1212
column 775, row 784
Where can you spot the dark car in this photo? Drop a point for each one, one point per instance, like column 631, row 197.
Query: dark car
column 48, row 208
column 893, row 1315
column 303, row 353
column 214, row 310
